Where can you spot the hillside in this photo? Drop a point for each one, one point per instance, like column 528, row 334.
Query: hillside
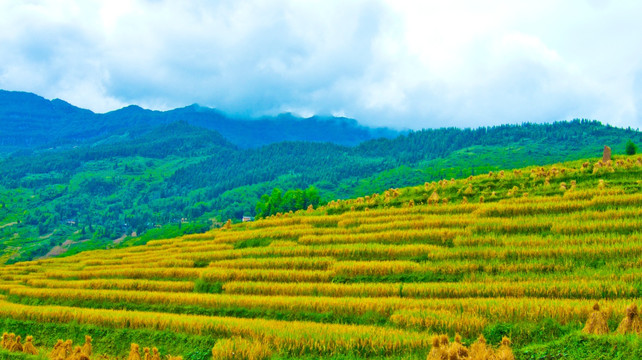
column 179, row 178
column 522, row 253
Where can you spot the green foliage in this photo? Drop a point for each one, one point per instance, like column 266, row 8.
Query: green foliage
column 581, row 346
column 522, row 333
column 8, row 355
column 169, row 231
column 630, row 148
column 292, row 200
column 496, row 332
column 202, row 286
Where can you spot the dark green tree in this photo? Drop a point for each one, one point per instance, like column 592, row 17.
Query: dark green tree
column 291, row 200
column 630, row 149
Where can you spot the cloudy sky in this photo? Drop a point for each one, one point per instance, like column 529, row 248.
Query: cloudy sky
column 404, row 64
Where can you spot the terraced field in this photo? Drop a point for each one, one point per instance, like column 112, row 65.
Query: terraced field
column 522, row 253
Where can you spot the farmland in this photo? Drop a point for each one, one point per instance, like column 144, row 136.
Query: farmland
column 523, row 254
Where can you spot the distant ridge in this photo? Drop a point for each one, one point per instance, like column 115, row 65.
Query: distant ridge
column 32, row 121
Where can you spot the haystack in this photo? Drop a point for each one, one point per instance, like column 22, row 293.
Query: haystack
column 67, row 347
column 596, row 323
column 479, row 350
column 57, row 349
column 631, row 324
column 155, row 354
column 606, row 154
column 504, row 352
column 133, row 353
column 437, row 352
column 16, row 346
column 457, row 350
column 76, row 353
column 147, row 356
column 443, row 340
column 29, row 348
column 11, row 339
column 5, row 340
column 86, row 349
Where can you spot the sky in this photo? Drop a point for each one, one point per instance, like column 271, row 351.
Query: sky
column 401, row 64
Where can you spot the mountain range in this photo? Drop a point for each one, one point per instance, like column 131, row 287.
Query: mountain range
column 30, row 121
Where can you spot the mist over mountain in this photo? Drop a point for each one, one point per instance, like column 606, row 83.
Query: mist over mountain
column 31, row 121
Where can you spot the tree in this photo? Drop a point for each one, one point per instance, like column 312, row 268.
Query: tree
column 631, row 149
column 312, row 197
column 291, row 200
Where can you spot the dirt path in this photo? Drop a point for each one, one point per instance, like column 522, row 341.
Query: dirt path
column 7, row 224
column 55, row 251
column 46, row 236
column 61, row 249
column 120, row 239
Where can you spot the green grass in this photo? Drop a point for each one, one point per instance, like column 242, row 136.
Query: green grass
column 8, row 355
column 576, row 346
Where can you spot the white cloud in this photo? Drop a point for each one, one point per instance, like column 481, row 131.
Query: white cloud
column 394, row 63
